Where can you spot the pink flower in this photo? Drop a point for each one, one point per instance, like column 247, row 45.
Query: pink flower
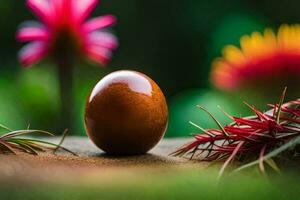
column 64, row 32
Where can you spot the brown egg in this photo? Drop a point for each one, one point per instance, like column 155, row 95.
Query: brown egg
column 126, row 113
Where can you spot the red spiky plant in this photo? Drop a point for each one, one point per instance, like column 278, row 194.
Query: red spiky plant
column 255, row 139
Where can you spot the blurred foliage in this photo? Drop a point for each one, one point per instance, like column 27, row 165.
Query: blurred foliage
column 173, row 42
column 32, row 97
column 169, row 184
column 10, row 109
column 183, row 108
column 85, row 80
column 230, row 29
column 39, row 96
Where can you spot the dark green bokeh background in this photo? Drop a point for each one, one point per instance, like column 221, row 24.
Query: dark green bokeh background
column 173, row 42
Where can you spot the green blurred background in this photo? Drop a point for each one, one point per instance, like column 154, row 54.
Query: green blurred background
column 173, row 42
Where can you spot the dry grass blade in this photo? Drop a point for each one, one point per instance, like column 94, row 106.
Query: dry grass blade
column 11, row 142
column 65, row 133
column 26, row 147
column 261, row 159
column 24, row 132
column 230, row 158
column 7, row 147
column 217, row 122
column 272, row 154
column 273, row 165
column 50, row 145
column 280, row 105
column 225, row 113
column 202, row 129
column 5, row 127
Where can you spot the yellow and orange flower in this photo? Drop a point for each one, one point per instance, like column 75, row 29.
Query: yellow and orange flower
column 261, row 58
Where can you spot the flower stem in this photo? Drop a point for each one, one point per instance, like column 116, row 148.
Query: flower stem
column 65, row 73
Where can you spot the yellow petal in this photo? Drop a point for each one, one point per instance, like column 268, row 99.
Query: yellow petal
column 270, row 40
column 233, row 55
column 284, row 37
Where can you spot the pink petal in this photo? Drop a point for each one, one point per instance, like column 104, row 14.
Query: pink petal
column 99, row 54
column 26, row 34
column 32, row 53
column 103, row 39
column 62, row 10
column 41, row 8
column 82, row 8
column 99, row 23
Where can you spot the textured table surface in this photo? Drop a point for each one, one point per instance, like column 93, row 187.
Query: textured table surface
column 84, row 147
column 91, row 162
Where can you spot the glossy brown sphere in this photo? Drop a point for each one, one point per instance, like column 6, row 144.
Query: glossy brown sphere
column 126, row 113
